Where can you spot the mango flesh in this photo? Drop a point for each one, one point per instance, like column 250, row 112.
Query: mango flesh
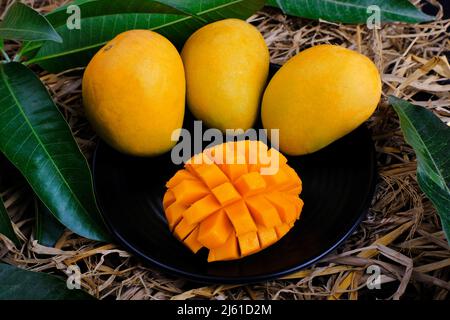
column 134, row 93
column 232, row 212
column 226, row 64
column 320, row 95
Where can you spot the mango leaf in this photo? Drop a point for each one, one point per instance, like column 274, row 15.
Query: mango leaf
column 95, row 8
column 81, row 44
column 48, row 229
column 19, row 284
column 37, row 140
column 5, row 225
column 23, row 23
column 430, row 138
column 352, row 11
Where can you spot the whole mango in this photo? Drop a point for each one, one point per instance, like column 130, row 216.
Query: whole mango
column 226, row 64
column 134, row 93
column 320, row 95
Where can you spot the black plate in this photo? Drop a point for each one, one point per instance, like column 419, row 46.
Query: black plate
column 338, row 185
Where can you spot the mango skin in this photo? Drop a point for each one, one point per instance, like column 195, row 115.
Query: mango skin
column 320, row 95
column 134, row 93
column 226, row 64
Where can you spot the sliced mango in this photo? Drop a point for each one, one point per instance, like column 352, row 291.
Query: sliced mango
column 263, row 212
column 277, row 180
column 183, row 229
column 235, row 170
column 189, row 191
column 174, row 213
column 267, row 236
column 211, row 175
column 225, row 203
column 168, row 198
column 250, row 183
column 191, row 241
column 282, row 229
column 215, row 230
column 201, row 209
column 240, row 217
column 298, row 203
column 180, row 176
column 286, row 209
column 228, row 251
column 234, row 164
column 249, row 243
column 197, row 161
column 226, row 193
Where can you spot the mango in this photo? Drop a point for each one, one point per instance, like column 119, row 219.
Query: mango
column 134, row 93
column 318, row 96
column 226, row 65
column 232, row 218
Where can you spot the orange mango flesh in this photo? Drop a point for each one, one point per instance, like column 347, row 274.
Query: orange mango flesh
column 267, row 236
column 215, row 230
column 192, row 241
column 263, row 212
column 223, row 202
column 240, row 218
column 189, row 191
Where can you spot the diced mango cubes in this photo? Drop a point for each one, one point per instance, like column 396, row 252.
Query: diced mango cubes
column 267, row 236
column 189, row 191
column 248, row 243
column 215, row 230
column 226, row 204
column 201, row 209
column 250, row 184
column 286, row 209
column 263, row 212
column 240, row 218
column 228, row 251
column 192, row 242
column 226, row 193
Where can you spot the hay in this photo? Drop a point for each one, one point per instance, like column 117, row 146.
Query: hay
column 401, row 234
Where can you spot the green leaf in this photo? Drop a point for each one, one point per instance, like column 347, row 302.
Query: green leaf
column 48, row 229
column 430, row 138
column 37, row 140
column 19, row 284
column 23, row 23
column 352, row 11
column 98, row 8
column 80, row 45
column 5, row 225
column 95, row 8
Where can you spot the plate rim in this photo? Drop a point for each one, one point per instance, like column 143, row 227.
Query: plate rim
column 207, row 279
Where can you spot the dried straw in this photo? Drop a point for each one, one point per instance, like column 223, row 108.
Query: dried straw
column 401, row 233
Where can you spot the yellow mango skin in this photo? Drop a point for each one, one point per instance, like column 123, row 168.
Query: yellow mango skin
column 226, row 64
column 134, row 93
column 320, row 95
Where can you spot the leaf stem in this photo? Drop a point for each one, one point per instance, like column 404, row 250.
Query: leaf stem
column 5, row 55
column 23, row 50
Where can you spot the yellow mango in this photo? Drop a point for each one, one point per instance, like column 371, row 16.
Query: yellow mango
column 320, row 95
column 134, row 93
column 226, row 65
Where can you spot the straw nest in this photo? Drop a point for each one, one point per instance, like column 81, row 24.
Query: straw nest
column 401, row 234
